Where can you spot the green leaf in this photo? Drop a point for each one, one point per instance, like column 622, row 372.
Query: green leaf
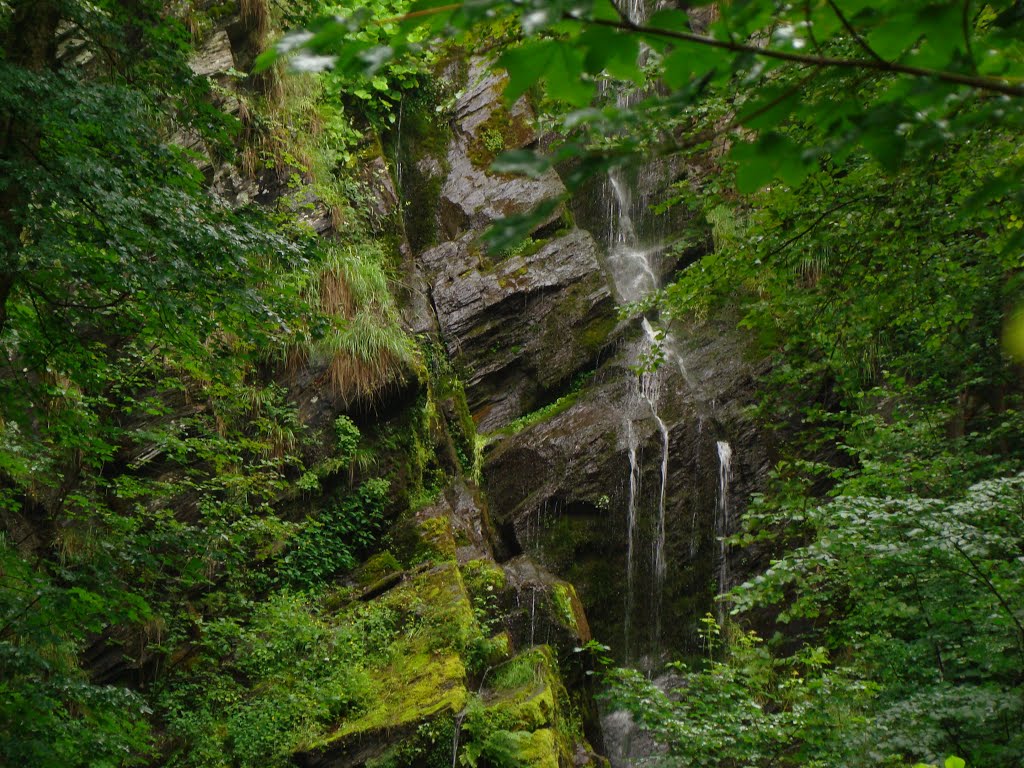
column 564, row 80
column 770, row 108
column 612, row 51
column 525, row 66
column 955, row 762
column 512, row 230
column 687, row 62
column 772, row 156
column 670, row 19
column 941, row 24
column 894, row 35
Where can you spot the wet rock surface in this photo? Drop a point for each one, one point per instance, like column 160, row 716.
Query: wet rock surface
column 561, row 489
column 507, row 324
column 519, row 325
column 472, row 197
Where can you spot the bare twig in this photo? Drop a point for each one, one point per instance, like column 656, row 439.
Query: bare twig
column 854, row 33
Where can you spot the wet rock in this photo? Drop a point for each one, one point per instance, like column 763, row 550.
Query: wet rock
column 472, row 197
column 215, row 56
column 522, row 326
column 540, row 608
column 560, row 489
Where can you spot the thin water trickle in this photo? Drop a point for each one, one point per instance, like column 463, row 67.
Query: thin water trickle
column 634, row 275
column 633, row 445
column 723, row 519
column 455, row 740
column 651, row 390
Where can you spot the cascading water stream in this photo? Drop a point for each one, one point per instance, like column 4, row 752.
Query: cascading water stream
column 633, row 265
column 650, row 390
column 634, row 277
column 723, row 521
column 633, row 444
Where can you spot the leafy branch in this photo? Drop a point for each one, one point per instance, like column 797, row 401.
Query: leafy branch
column 994, row 85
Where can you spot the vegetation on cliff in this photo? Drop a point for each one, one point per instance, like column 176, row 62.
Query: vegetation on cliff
column 199, row 320
column 861, row 170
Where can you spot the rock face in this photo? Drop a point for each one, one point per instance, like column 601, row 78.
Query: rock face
column 505, row 319
column 520, row 327
column 471, row 196
column 507, row 323
column 561, row 489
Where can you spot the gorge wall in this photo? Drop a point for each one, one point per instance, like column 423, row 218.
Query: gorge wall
column 548, row 367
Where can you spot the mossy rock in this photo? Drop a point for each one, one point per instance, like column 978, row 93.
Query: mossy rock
column 483, row 577
column 430, row 746
column 377, row 567
column 521, row 749
column 421, row 677
column 569, row 610
column 522, row 718
column 437, row 540
column 502, row 130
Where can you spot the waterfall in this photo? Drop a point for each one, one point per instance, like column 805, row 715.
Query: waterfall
column 634, row 276
column 723, row 520
column 650, row 389
column 635, row 474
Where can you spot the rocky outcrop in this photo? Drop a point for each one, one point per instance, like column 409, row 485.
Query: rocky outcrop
column 561, row 490
column 504, row 319
column 506, row 323
column 472, row 197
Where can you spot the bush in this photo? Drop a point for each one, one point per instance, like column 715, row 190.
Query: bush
column 332, row 543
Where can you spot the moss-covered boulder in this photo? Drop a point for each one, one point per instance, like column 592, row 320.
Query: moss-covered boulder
column 522, row 718
column 421, row 678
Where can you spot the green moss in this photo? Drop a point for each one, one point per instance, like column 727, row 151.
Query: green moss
column 550, row 410
column 565, row 600
column 420, row 675
column 422, row 151
column 498, row 132
column 377, row 567
column 518, row 673
column 537, row 750
column 522, row 720
column 437, row 541
column 596, row 334
column 449, row 396
column 415, row 688
column 483, row 576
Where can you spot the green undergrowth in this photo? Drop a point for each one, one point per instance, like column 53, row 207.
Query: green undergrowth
column 424, row 674
column 522, row 718
column 448, row 395
column 302, row 676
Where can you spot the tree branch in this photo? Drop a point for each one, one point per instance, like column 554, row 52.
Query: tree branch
column 821, row 62
column 854, row 33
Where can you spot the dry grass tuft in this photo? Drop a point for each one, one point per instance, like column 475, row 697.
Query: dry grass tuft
column 366, row 351
column 256, row 15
